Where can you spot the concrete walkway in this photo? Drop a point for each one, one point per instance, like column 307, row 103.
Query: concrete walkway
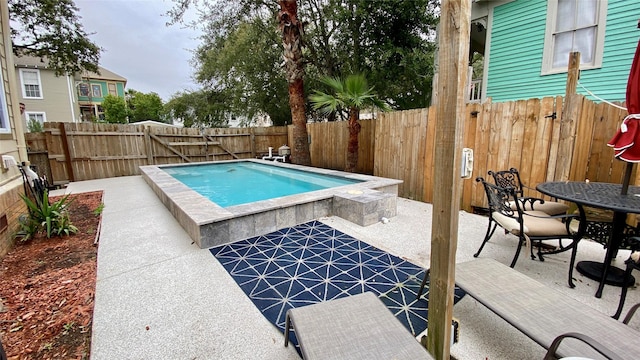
column 158, row 296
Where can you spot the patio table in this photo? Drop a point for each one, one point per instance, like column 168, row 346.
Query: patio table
column 604, row 196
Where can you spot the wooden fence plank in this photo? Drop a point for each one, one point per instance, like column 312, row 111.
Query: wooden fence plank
column 544, row 125
column 529, row 143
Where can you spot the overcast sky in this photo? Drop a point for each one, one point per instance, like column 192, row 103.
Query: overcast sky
column 139, row 46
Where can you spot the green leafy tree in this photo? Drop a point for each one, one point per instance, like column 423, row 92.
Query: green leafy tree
column 352, row 95
column 199, row 109
column 391, row 41
column 241, row 66
column 144, row 106
column 115, row 109
column 51, row 29
column 223, row 17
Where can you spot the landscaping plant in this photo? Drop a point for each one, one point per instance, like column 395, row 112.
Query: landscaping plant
column 52, row 218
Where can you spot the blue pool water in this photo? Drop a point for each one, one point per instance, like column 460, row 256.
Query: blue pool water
column 236, row 183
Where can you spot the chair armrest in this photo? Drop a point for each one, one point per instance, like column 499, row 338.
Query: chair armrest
column 561, row 216
column 551, row 353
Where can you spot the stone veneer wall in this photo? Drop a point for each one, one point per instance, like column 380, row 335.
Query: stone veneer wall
column 12, row 207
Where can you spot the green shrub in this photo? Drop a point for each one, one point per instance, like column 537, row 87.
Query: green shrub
column 53, row 219
column 34, row 126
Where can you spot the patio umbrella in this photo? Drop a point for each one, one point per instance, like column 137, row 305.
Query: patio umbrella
column 626, row 141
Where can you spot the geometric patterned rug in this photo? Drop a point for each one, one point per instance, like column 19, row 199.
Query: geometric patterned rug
column 313, row 262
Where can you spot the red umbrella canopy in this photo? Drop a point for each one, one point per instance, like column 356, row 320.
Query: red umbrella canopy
column 626, row 141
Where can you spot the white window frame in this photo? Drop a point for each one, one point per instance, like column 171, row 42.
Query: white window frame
column 24, row 90
column 88, row 88
column 115, row 89
column 93, row 93
column 28, row 118
column 5, row 125
column 548, row 53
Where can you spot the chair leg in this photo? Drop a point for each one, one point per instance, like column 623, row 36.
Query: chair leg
column 518, row 248
column 287, row 327
column 623, row 293
column 488, row 235
column 574, row 252
column 423, row 284
column 533, row 257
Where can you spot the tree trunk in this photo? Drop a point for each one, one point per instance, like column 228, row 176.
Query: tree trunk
column 291, row 29
column 352, row 148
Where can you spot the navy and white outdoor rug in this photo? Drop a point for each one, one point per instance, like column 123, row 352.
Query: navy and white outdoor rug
column 313, row 262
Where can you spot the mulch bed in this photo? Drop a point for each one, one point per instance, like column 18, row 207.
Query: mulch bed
column 47, row 289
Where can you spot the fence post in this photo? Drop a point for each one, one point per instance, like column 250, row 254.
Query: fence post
column 148, row 146
column 67, row 153
column 252, row 137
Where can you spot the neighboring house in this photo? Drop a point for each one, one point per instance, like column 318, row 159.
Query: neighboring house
column 12, row 143
column 66, row 98
column 526, row 46
column 46, row 97
column 152, row 123
column 92, row 88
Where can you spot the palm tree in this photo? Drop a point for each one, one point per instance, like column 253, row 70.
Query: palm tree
column 291, row 29
column 352, row 94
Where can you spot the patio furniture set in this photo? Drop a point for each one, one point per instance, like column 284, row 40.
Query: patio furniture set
column 359, row 326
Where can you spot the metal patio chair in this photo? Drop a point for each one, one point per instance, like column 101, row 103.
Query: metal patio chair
column 530, row 226
column 633, row 263
column 511, row 178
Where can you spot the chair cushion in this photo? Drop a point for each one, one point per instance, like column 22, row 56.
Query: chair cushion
column 543, row 226
column 508, row 223
column 533, row 226
column 549, row 207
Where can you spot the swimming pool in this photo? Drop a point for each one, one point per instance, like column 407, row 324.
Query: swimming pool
column 364, row 200
column 235, row 183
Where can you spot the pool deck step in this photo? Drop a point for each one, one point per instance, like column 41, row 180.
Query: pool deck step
column 364, row 207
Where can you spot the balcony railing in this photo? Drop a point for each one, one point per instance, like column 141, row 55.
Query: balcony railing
column 475, row 91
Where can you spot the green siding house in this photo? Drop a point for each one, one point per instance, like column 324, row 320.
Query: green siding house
column 92, row 89
column 525, row 46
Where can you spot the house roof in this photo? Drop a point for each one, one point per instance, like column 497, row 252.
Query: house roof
column 148, row 123
column 28, row 61
column 104, row 75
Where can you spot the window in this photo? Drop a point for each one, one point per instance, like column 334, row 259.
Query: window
column 40, row 117
column 83, row 89
column 96, row 90
column 574, row 25
column 31, row 86
column 5, row 128
column 112, row 89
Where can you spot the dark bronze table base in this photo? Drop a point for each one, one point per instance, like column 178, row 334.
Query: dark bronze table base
column 593, row 270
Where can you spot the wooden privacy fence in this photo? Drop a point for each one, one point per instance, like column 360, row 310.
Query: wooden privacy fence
column 328, row 145
column 547, row 139
column 74, row 152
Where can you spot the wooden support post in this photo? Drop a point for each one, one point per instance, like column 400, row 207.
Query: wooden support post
column 569, row 120
column 573, row 74
column 453, row 59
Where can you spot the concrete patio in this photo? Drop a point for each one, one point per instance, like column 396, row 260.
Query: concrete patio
column 158, row 296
